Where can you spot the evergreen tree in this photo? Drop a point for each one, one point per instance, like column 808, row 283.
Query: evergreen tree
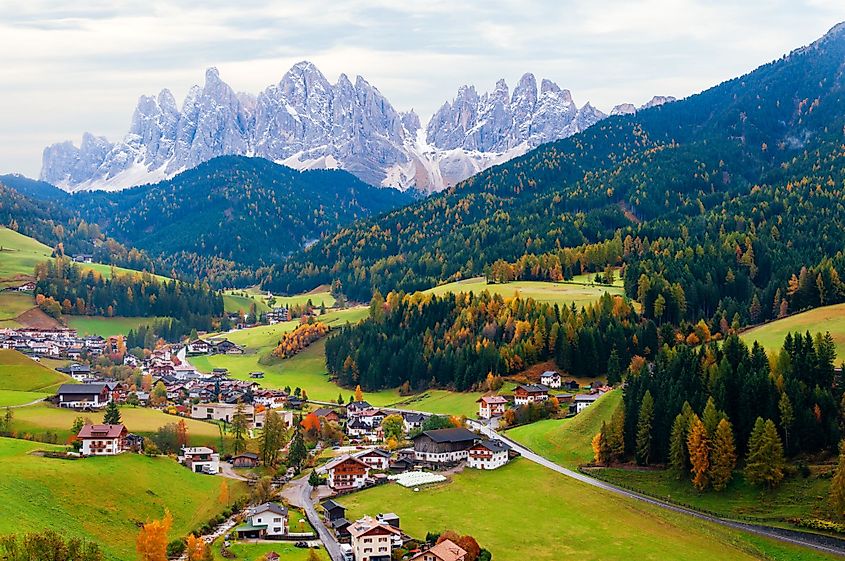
column 787, row 416
column 112, row 414
column 614, row 368
column 699, row 453
column 765, row 462
column 722, row 456
column 837, row 484
column 240, row 426
column 616, row 434
column 678, row 456
column 297, row 453
column 711, row 417
column 644, row 428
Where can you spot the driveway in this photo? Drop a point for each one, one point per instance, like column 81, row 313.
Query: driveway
column 298, row 493
column 813, row 541
column 226, row 470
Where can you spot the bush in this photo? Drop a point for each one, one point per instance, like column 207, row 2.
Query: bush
column 175, row 548
column 818, row 524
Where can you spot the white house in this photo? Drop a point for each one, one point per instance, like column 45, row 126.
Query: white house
column 372, row 540
column 488, row 454
column 199, row 347
column 443, row 445
column 200, row 459
column 221, row 412
column 83, row 396
column 551, row 379
column 584, row 400
column 346, row 473
column 268, row 520
column 102, row 440
column 376, row 458
column 530, row 393
column 490, row 406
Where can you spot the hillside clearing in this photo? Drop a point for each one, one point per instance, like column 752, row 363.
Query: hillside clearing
column 101, row 499
column 553, row 292
column 105, row 327
column 826, row 318
column 19, row 373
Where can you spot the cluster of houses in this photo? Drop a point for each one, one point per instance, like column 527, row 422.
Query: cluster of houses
column 56, row 343
column 491, row 406
column 25, row 286
column 213, row 347
column 376, row 538
column 433, row 449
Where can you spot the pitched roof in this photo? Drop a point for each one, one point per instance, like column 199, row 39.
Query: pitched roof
column 249, row 455
column 492, row 399
column 81, row 389
column 413, row 417
column 449, row 435
column 447, row 550
column 337, row 461
column 493, row 445
column 587, row 397
column 376, row 451
column 101, row 431
column 367, row 524
column 271, row 507
column 533, row 388
column 331, row 505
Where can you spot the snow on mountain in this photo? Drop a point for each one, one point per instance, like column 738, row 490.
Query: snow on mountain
column 306, row 122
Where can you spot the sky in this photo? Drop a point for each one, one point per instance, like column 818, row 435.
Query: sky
column 70, row 67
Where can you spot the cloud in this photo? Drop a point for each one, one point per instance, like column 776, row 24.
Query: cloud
column 83, row 65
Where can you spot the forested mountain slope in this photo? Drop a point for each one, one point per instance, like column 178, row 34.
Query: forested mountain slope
column 753, row 153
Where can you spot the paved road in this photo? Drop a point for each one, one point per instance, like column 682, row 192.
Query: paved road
column 226, row 470
column 298, row 492
column 814, row 541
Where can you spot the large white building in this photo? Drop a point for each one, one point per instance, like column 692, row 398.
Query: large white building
column 488, row 454
column 200, row 459
column 372, row 540
column 443, row 446
column 102, row 440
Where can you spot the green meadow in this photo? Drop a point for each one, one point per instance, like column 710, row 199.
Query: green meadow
column 553, row 517
column 102, row 499
column 22, row 380
column 105, row 327
column 562, row 293
column 826, row 318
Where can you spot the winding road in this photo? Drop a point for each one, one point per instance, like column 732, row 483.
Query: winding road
column 298, row 493
column 813, row 541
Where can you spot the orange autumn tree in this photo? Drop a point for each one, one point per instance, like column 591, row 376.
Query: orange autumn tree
column 196, row 549
column 182, row 433
column 359, row 393
column 151, row 543
column 311, row 424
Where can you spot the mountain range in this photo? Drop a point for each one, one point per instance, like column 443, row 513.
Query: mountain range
column 305, row 122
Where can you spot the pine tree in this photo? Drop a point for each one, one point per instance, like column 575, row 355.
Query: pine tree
column 112, row 414
column 765, row 462
column 297, row 453
column 644, row 426
column 711, row 417
column 616, row 434
column 722, row 456
column 239, row 428
column 678, row 456
column 699, row 453
column 837, row 484
column 787, row 416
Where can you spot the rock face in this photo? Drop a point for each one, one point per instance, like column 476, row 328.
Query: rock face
column 306, row 122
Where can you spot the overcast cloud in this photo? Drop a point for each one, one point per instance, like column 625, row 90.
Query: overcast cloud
column 81, row 67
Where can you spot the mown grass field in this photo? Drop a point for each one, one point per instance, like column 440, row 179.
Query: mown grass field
column 42, row 418
column 826, row 318
column 102, row 499
column 13, row 304
column 242, row 300
column 22, row 380
column 568, row 441
column 524, row 511
column 104, row 327
column 552, row 292
column 796, row 497
column 257, row 551
column 19, row 254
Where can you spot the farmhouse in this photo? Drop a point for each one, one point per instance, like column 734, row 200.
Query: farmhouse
column 226, row 347
column 584, row 400
column 221, row 412
column 268, row 521
column 102, row 440
column 278, row 315
column 355, row 407
column 83, row 396
column 376, row 458
column 447, row 550
column 488, row 454
column 245, row 460
column 490, row 406
column 443, row 445
column 347, row 473
column 324, row 413
column 198, row 347
column 551, row 379
column 530, row 393
column 412, row 421
column 200, row 459
column 372, row 540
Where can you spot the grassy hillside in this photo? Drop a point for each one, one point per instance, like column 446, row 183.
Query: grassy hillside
column 20, row 254
column 241, row 300
column 557, row 293
column 22, row 380
column 827, row 318
column 101, row 499
column 103, row 326
column 568, row 441
column 42, row 418
column 553, row 517
column 12, row 305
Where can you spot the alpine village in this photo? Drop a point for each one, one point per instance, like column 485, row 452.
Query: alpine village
column 303, row 326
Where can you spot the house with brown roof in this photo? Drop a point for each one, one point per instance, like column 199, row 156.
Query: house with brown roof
column 530, row 393
column 372, row 540
column 447, row 550
column 102, row 440
column 346, row 473
column 490, row 406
